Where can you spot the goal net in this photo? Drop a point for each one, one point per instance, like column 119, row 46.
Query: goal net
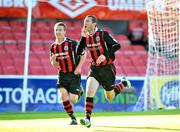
column 162, row 82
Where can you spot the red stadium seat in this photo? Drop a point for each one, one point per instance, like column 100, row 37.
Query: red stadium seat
column 1, row 40
column 20, row 37
column 35, row 38
column 47, row 36
column 10, row 47
column 138, row 47
column 1, row 71
column 141, row 70
column 35, row 66
column 19, row 65
column 21, row 47
column 47, row 44
column 49, row 70
column 45, row 30
column 36, row 70
column 74, row 36
column 9, row 38
column 16, row 24
column 37, row 47
column 78, row 25
column 125, row 62
column 5, row 55
column 51, row 24
column 4, row 30
column 108, row 29
column 47, row 47
column 34, row 29
column 1, row 47
column 7, row 62
column 20, row 70
column 134, row 25
column 34, row 62
column 40, row 24
column 139, row 62
column 130, row 70
column 126, row 48
column 33, row 56
column 17, row 55
column 45, row 62
column 145, row 28
column 9, row 70
column 123, row 39
column 18, row 29
column 4, row 24
column 119, row 70
column 42, row 54
column 8, row 66
column 68, row 24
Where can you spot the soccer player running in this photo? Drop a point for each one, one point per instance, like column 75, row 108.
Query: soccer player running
column 102, row 70
column 63, row 55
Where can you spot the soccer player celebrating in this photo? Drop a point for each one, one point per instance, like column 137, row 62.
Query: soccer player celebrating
column 63, row 56
column 102, row 71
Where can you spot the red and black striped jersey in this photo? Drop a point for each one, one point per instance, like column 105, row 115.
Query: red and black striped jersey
column 67, row 57
column 101, row 42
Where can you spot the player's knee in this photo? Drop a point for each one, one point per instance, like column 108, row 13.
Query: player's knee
column 109, row 97
column 74, row 100
column 90, row 92
column 64, row 97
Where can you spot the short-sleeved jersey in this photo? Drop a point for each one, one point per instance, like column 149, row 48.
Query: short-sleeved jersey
column 99, row 43
column 67, row 57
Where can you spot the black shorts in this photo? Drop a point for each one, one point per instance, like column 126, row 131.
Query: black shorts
column 69, row 81
column 105, row 75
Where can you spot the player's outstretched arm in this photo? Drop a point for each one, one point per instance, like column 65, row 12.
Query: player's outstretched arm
column 111, row 41
column 81, row 62
column 53, row 60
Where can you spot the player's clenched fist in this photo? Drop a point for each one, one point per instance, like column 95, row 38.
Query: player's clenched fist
column 84, row 32
column 100, row 59
column 53, row 59
column 77, row 70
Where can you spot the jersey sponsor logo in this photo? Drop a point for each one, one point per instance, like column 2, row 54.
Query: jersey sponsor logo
column 63, row 53
column 66, row 48
column 93, row 45
column 97, row 38
column 73, row 8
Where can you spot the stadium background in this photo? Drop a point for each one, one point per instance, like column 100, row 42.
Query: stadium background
column 126, row 20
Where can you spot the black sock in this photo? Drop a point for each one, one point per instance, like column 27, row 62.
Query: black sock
column 68, row 108
column 89, row 107
column 118, row 88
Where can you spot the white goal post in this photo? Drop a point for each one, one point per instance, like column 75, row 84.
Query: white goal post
column 162, row 82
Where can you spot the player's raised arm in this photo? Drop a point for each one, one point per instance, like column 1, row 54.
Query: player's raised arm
column 112, row 44
column 82, row 44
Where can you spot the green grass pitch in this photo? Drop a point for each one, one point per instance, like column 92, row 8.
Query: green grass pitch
column 150, row 121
